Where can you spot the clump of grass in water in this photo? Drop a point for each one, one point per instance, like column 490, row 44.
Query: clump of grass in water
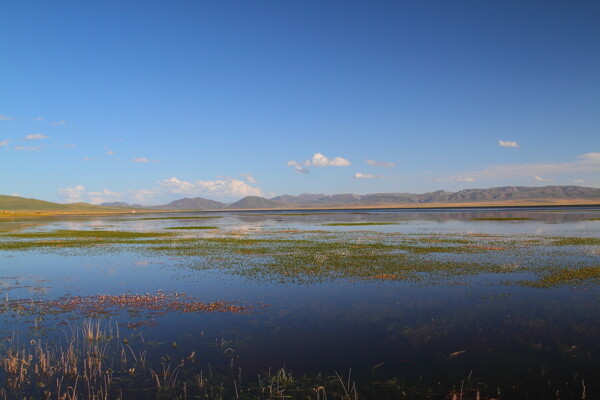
column 575, row 241
column 107, row 304
column 566, row 276
column 95, row 362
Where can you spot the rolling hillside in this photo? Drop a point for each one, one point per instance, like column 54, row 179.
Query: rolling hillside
column 15, row 203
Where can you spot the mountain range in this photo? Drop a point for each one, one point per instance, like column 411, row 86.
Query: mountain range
column 545, row 194
column 507, row 195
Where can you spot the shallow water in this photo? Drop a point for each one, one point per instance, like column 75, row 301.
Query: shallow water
column 432, row 330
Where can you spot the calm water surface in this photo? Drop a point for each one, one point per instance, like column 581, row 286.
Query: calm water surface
column 508, row 338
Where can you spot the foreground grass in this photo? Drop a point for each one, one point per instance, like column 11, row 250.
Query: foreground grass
column 97, row 360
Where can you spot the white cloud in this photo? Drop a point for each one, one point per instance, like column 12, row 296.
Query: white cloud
column 249, row 178
column 86, row 159
column 504, row 143
column 57, row 123
column 220, row 187
column 39, row 119
column 73, row 194
column 384, row 164
column 590, row 157
column 103, row 196
column 4, row 143
column 166, row 189
column 589, row 162
column 540, row 179
column 30, row 148
column 175, row 185
column 299, row 169
column 579, row 181
column 143, row 160
column 319, row 160
column 110, row 153
column 36, row 136
column 465, row 179
column 143, row 196
column 6, row 118
column 360, row 175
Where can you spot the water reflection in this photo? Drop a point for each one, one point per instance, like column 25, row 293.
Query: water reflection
column 435, row 333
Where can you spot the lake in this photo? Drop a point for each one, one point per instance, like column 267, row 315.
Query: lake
column 490, row 303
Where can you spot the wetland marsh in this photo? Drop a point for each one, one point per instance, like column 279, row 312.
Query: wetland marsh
column 370, row 304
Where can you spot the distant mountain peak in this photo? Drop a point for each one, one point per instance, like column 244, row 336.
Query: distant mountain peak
column 257, row 202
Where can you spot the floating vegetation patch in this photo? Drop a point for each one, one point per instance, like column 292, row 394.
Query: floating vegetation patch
column 575, row 241
column 500, row 219
column 290, row 255
column 107, row 304
column 305, row 261
column 193, row 227
column 567, row 276
column 76, row 239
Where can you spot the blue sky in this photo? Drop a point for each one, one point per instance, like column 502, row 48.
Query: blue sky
column 147, row 102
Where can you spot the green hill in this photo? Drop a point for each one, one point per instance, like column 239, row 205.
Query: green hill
column 15, row 203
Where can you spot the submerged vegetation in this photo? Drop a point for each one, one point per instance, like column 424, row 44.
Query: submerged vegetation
column 109, row 304
column 316, row 256
column 567, row 276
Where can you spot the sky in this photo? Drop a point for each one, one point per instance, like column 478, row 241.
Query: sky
column 151, row 101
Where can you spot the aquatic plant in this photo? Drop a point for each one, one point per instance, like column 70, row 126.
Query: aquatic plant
column 566, row 276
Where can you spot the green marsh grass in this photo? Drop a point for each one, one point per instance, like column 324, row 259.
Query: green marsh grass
column 308, row 256
column 567, row 276
column 576, row 241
